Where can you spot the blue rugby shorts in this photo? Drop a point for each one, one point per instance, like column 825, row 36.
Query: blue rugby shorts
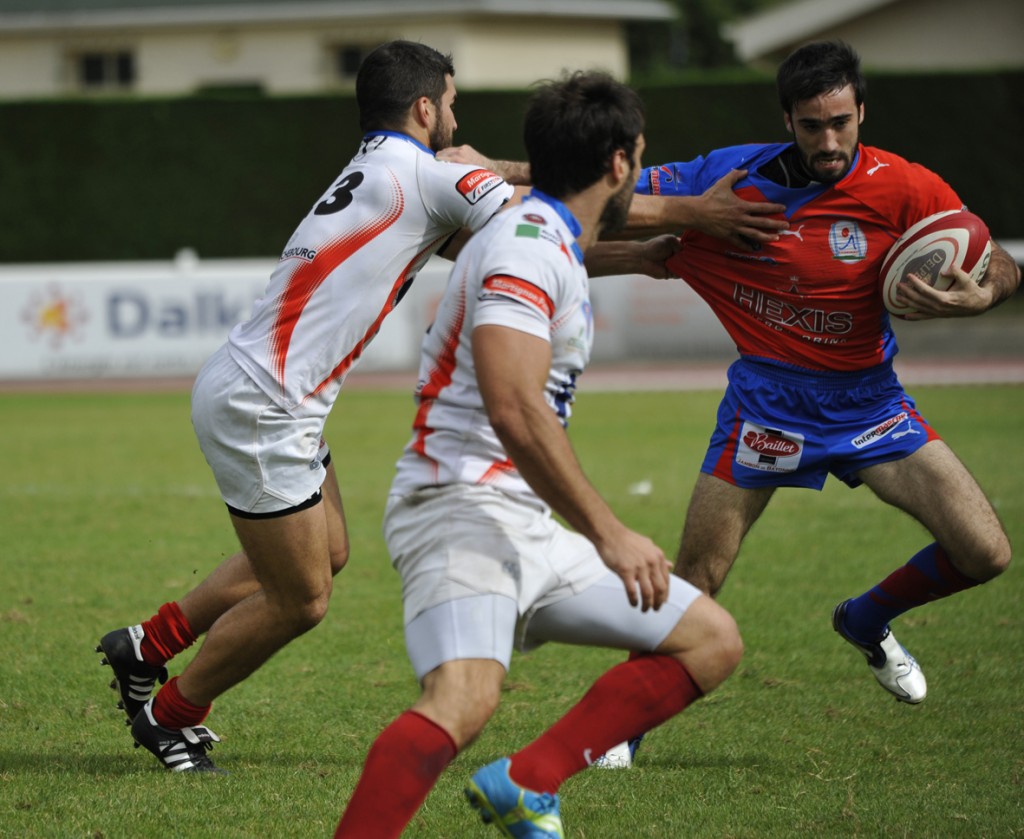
column 783, row 427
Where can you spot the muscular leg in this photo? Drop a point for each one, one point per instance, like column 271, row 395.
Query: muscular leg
column 706, row 642
column 176, row 625
column 461, row 696
column 970, row 548
column 290, row 558
column 233, row 580
column 717, row 520
column 701, row 650
column 934, row 487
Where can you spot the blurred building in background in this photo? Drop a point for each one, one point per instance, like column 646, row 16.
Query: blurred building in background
column 57, row 48
column 890, row 35
column 233, row 126
column 67, row 48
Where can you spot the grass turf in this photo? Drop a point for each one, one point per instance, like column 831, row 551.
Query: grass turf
column 107, row 510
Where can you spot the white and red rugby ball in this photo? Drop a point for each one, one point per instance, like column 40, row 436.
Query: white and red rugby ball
column 953, row 237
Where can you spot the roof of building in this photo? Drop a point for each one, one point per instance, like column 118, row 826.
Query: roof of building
column 28, row 13
column 762, row 32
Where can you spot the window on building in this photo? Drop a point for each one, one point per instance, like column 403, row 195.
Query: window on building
column 105, row 70
column 347, row 59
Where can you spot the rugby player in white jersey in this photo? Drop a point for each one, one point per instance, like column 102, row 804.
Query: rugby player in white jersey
column 260, row 403
column 485, row 567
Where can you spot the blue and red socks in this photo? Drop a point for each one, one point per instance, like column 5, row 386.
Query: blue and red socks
column 927, row 576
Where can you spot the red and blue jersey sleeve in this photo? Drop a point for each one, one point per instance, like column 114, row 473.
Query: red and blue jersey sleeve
column 695, row 176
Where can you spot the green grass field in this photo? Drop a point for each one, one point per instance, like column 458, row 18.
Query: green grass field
column 107, row 510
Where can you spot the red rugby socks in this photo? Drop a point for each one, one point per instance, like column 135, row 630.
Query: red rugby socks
column 402, row 766
column 628, row 700
column 167, row 633
column 172, row 710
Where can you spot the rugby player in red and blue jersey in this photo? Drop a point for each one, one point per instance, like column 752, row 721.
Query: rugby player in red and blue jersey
column 813, row 392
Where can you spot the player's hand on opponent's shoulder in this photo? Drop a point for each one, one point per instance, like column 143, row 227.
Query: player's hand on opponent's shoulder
column 747, row 224
column 963, row 298
column 465, row 154
column 640, row 564
column 516, row 172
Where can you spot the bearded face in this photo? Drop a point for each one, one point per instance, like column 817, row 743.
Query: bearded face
column 826, row 130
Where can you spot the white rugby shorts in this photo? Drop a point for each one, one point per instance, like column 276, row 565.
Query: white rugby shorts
column 264, row 460
column 483, row 573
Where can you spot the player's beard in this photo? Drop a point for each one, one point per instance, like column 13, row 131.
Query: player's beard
column 616, row 211
column 440, row 136
column 829, row 176
column 812, row 163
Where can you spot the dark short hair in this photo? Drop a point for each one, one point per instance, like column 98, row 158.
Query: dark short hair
column 817, row 68
column 574, row 126
column 393, row 76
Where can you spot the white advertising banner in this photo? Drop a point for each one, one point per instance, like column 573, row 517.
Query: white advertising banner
column 120, row 319
column 163, row 319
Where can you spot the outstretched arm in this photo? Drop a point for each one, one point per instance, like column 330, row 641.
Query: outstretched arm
column 964, row 297
column 719, row 212
column 604, row 259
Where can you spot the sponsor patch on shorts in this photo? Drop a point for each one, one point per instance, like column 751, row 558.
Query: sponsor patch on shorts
column 884, row 429
column 476, row 184
column 769, row 449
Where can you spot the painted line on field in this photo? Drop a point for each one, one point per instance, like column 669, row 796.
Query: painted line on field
column 682, row 375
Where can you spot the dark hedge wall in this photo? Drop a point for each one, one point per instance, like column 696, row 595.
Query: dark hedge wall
column 113, row 180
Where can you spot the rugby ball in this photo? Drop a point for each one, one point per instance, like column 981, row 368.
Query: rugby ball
column 953, row 237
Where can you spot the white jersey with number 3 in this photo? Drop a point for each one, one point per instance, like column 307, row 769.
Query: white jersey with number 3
column 525, row 271
column 350, row 261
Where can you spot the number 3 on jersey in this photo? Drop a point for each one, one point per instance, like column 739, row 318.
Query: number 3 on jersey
column 342, row 195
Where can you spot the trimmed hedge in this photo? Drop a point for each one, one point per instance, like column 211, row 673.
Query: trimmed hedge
column 230, row 177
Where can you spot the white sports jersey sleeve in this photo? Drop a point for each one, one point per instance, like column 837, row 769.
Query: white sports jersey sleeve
column 524, row 271
column 349, row 263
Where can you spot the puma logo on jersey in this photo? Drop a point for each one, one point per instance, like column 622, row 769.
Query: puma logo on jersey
column 878, row 165
column 796, row 232
column 910, row 430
